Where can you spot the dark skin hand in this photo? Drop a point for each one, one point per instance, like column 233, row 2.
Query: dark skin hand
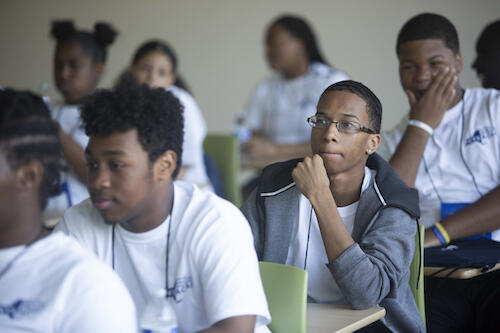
column 430, row 109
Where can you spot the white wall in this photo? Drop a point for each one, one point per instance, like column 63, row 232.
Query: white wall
column 219, row 42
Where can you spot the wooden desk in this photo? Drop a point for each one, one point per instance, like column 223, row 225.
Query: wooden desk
column 328, row 318
column 462, row 273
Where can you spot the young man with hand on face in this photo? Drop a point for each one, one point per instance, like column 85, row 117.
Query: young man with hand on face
column 448, row 148
column 48, row 283
column 157, row 233
column 343, row 215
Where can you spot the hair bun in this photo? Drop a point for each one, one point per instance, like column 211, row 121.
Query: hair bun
column 104, row 34
column 62, row 29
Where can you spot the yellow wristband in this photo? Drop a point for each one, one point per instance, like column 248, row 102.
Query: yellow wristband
column 443, row 232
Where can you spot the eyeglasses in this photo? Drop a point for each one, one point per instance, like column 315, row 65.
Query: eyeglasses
column 343, row 126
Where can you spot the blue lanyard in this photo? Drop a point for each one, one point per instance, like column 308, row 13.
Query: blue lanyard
column 65, row 189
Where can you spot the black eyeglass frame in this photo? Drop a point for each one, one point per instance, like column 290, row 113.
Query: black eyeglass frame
column 338, row 124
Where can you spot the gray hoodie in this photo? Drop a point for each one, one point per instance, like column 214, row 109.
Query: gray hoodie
column 375, row 269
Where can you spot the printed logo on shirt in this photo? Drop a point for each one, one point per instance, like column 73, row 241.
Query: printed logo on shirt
column 21, row 308
column 481, row 135
column 181, row 285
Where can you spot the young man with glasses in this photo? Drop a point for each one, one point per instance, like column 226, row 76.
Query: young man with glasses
column 343, row 214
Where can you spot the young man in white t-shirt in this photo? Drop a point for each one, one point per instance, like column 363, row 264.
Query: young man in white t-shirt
column 449, row 149
column 48, row 283
column 156, row 233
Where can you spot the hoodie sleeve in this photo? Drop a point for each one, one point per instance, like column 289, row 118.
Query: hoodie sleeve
column 254, row 214
column 369, row 271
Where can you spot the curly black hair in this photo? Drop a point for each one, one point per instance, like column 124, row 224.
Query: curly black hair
column 373, row 105
column 429, row 26
column 93, row 43
column 155, row 113
column 28, row 133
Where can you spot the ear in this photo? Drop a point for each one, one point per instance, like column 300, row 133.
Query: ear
column 372, row 144
column 459, row 62
column 29, row 176
column 165, row 166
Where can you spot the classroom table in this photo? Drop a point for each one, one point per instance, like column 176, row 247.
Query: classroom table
column 329, row 318
column 462, row 273
column 251, row 168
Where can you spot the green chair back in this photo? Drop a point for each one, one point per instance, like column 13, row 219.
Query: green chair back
column 417, row 271
column 224, row 150
column 286, row 293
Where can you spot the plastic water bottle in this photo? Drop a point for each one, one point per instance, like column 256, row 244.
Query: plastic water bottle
column 242, row 133
column 159, row 315
column 44, row 92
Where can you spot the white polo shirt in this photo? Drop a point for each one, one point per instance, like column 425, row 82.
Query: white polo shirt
column 461, row 161
column 213, row 268
column 74, row 191
column 279, row 107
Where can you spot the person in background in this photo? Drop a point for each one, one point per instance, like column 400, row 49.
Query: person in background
column 157, row 233
column 48, row 283
column 277, row 108
column 343, row 215
column 448, row 148
column 79, row 60
column 155, row 64
column 487, row 62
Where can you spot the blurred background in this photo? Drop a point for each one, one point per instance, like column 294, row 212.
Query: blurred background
column 219, row 43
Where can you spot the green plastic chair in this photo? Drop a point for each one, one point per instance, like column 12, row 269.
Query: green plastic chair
column 417, row 271
column 286, row 293
column 224, row 150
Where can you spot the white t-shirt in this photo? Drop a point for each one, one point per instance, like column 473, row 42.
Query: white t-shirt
column 213, row 268
column 57, row 286
column 321, row 287
column 461, row 161
column 68, row 116
column 279, row 108
column 195, row 131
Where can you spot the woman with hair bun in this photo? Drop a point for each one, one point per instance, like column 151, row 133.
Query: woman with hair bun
column 277, row 111
column 79, row 60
